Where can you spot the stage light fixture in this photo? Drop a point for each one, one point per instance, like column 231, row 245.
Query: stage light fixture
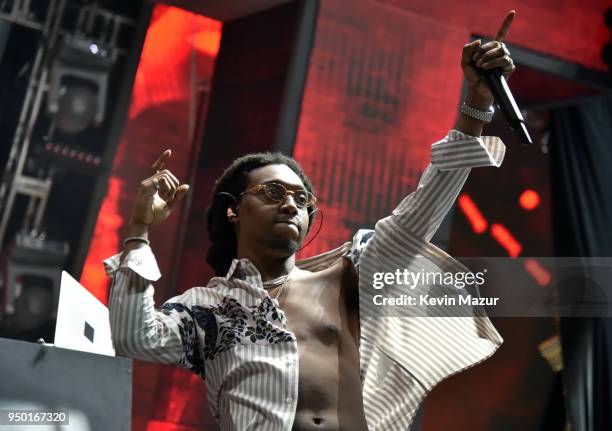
column 78, row 84
column 77, row 107
column 31, row 272
column 529, row 199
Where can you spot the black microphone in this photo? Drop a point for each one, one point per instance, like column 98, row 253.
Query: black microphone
column 506, row 103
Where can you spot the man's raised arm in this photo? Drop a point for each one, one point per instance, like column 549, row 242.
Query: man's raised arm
column 139, row 330
column 421, row 213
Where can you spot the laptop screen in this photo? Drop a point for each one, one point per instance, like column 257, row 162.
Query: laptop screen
column 82, row 320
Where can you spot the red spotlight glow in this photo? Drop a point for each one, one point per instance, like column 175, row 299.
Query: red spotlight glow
column 208, row 40
column 538, row 272
column 506, row 240
column 472, row 213
column 529, row 200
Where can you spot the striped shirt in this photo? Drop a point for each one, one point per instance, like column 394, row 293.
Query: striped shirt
column 235, row 336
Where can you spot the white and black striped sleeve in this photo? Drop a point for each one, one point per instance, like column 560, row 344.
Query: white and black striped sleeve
column 138, row 330
column 421, row 212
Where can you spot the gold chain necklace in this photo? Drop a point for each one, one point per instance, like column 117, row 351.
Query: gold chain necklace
column 280, row 289
column 279, row 281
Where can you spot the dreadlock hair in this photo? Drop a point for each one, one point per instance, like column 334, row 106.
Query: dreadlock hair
column 225, row 194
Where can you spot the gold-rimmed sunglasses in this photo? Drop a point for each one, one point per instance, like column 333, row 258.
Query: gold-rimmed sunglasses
column 277, row 192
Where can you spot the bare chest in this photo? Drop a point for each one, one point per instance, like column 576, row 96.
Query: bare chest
column 322, row 307
column 322, row 312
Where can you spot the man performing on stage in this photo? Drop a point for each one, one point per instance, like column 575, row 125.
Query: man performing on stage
column 284, row 344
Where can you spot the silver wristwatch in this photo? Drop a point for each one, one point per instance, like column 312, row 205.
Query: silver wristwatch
column 484, row 116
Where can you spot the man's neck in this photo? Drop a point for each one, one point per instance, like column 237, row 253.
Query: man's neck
column 269, row 265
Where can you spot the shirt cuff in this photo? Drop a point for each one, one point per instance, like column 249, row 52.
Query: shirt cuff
column 140, row 260
column 458, row 150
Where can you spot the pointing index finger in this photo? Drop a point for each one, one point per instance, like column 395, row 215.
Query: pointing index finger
column 505, row 27
column 159, row 163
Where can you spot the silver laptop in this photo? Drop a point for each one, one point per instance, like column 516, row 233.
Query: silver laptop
column 82, row 320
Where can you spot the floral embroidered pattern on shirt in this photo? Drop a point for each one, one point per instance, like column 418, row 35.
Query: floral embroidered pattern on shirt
column 359, row 243
column 227, row 324
column 192, row 359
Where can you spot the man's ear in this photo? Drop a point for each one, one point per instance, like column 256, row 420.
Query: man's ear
column 232, row 217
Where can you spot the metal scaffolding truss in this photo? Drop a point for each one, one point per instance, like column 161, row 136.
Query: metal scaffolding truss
column 98, row 26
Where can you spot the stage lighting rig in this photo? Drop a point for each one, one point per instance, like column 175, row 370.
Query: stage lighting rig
column 80, row 45
column 81, row 57
column 31, row 282
column 79, row 83
column 81, row 66
column 28, row 13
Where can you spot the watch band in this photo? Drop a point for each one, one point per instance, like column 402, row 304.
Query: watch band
column 484, row 116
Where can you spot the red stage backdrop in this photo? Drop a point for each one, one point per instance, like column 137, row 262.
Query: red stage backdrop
column 380, row 89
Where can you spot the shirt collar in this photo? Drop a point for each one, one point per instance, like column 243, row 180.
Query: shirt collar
column 244, row 269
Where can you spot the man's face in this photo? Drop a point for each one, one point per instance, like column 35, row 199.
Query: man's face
column 281, row 226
